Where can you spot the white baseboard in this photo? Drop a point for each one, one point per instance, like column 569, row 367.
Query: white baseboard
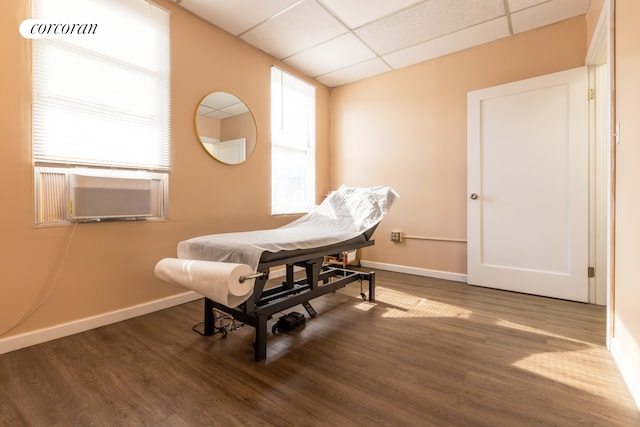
column 27, row 339
column 446, row 275
column 627, row 374
column 40, row 336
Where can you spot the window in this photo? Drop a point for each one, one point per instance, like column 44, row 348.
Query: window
column 292, row 144
column 100, row 98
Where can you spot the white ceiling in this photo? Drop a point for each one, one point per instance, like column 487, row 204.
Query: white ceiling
column 342, row 41
column 221, row 105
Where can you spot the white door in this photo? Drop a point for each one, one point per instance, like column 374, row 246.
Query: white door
column 232, row 151
column 528, row 167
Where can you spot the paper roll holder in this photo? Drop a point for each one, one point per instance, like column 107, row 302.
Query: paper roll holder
column 242, row 279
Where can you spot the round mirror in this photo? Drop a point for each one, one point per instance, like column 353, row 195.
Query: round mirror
column 226, row 128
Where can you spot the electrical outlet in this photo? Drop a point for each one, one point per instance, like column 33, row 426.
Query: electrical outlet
column 396, row 236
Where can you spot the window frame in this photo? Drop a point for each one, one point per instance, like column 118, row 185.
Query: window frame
column 293, row 142
column 145, row 151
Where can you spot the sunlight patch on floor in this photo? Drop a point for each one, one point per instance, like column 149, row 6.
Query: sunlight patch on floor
column 524, row 328
column 406, row 305
column 573, row 368
column 365, row 305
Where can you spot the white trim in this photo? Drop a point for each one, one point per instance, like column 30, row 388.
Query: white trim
column 446, row 275
column 40, row 336
column 627, row 374
column 59, row 331
column 597, row 52
column 602, row 178
column 600, row 60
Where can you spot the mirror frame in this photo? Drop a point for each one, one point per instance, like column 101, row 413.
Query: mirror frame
column 251, row 140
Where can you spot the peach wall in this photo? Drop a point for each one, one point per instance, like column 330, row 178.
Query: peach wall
column 238, row 127
column 91, row 269
column 407, row 129
column 626, row 302
column 208, row 127
column 242, row 125
column 592, row 16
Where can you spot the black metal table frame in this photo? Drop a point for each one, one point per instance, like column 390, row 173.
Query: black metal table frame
column 319, row 279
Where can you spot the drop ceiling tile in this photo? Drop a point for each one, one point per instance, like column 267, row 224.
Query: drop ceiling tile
column 219, row 100
column 203, row 110
column 404, row 31
column 330, row 56
column 237, row 108
column 547, row 13
column 220, row 105
column 427, row 21
column 356, row 13
column 460, row 40
column 305, row 25
column 240, row 16
column 516, row 5
column 354, row 73
column 217, row 114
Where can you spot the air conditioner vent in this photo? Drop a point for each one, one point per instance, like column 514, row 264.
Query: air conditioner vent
column 92, row 203
column 108, row 197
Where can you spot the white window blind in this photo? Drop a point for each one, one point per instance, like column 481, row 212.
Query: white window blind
column 292, row 144
column 102, row 99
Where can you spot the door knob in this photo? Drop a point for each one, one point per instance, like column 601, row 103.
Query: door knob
column 473, row 196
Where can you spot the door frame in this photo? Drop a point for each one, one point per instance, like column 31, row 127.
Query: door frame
column 599, row 61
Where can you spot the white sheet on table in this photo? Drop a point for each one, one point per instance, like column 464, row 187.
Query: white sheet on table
column 343, row 215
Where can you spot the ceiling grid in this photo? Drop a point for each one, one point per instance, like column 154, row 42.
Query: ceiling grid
column 342, row 41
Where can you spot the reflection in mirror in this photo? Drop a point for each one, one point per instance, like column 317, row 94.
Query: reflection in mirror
column 226, row 127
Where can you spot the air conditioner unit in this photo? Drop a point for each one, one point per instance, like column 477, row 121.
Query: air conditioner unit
column 64, row 194
column 105, row 196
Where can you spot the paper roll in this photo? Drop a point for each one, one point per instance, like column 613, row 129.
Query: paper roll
column 219, row 281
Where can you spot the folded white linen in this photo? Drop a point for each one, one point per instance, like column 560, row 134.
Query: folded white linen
column 344, row 214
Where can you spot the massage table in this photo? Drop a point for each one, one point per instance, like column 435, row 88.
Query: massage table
column 231, row 270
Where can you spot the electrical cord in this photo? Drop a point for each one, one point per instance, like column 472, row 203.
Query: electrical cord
column 49, row 290
column 231, row 326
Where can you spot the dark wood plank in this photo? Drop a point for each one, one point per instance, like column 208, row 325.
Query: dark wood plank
column 427, row 352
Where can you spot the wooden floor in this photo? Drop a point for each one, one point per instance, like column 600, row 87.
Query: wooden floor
column 428, row 352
